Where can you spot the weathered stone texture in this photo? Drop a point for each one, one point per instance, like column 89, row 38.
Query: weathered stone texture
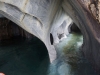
column 42, row 17
column 94, row 7
column 35, row 16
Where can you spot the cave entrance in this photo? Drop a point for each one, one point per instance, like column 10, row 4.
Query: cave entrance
column 20, row 51
column 9, row 30
column 74, row 28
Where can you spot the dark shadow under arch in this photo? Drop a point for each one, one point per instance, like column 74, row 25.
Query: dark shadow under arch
column 29, row 56
column 74, row 28
column 51, row 39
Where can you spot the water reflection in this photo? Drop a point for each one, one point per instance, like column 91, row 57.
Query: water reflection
column 30, row 57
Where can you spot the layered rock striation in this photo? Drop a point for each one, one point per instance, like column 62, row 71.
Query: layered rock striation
column 44, row 17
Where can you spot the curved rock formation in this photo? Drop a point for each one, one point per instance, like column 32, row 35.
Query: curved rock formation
column 42, row 17
column 89, row 26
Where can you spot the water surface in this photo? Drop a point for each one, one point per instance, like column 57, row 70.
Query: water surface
column 30, row 57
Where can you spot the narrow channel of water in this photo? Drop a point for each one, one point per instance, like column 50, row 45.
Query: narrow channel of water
column 30, row 57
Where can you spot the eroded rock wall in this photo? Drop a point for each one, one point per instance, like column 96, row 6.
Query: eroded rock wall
column 39, row 17
column 35, row 16
column 9, row 30
column 93, row 6
column 84, row 18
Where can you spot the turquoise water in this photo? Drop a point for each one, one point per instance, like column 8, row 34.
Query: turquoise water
column 30, row 57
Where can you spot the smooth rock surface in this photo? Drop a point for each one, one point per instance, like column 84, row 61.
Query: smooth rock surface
column 39, row 17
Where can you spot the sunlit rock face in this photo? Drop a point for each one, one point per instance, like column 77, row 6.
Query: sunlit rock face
column 42, row 17
column 60, row 26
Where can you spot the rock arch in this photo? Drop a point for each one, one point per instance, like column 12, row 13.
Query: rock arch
column 36, row 20
column 40, row 18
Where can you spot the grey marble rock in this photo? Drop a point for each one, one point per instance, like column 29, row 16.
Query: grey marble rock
column 44, row 17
